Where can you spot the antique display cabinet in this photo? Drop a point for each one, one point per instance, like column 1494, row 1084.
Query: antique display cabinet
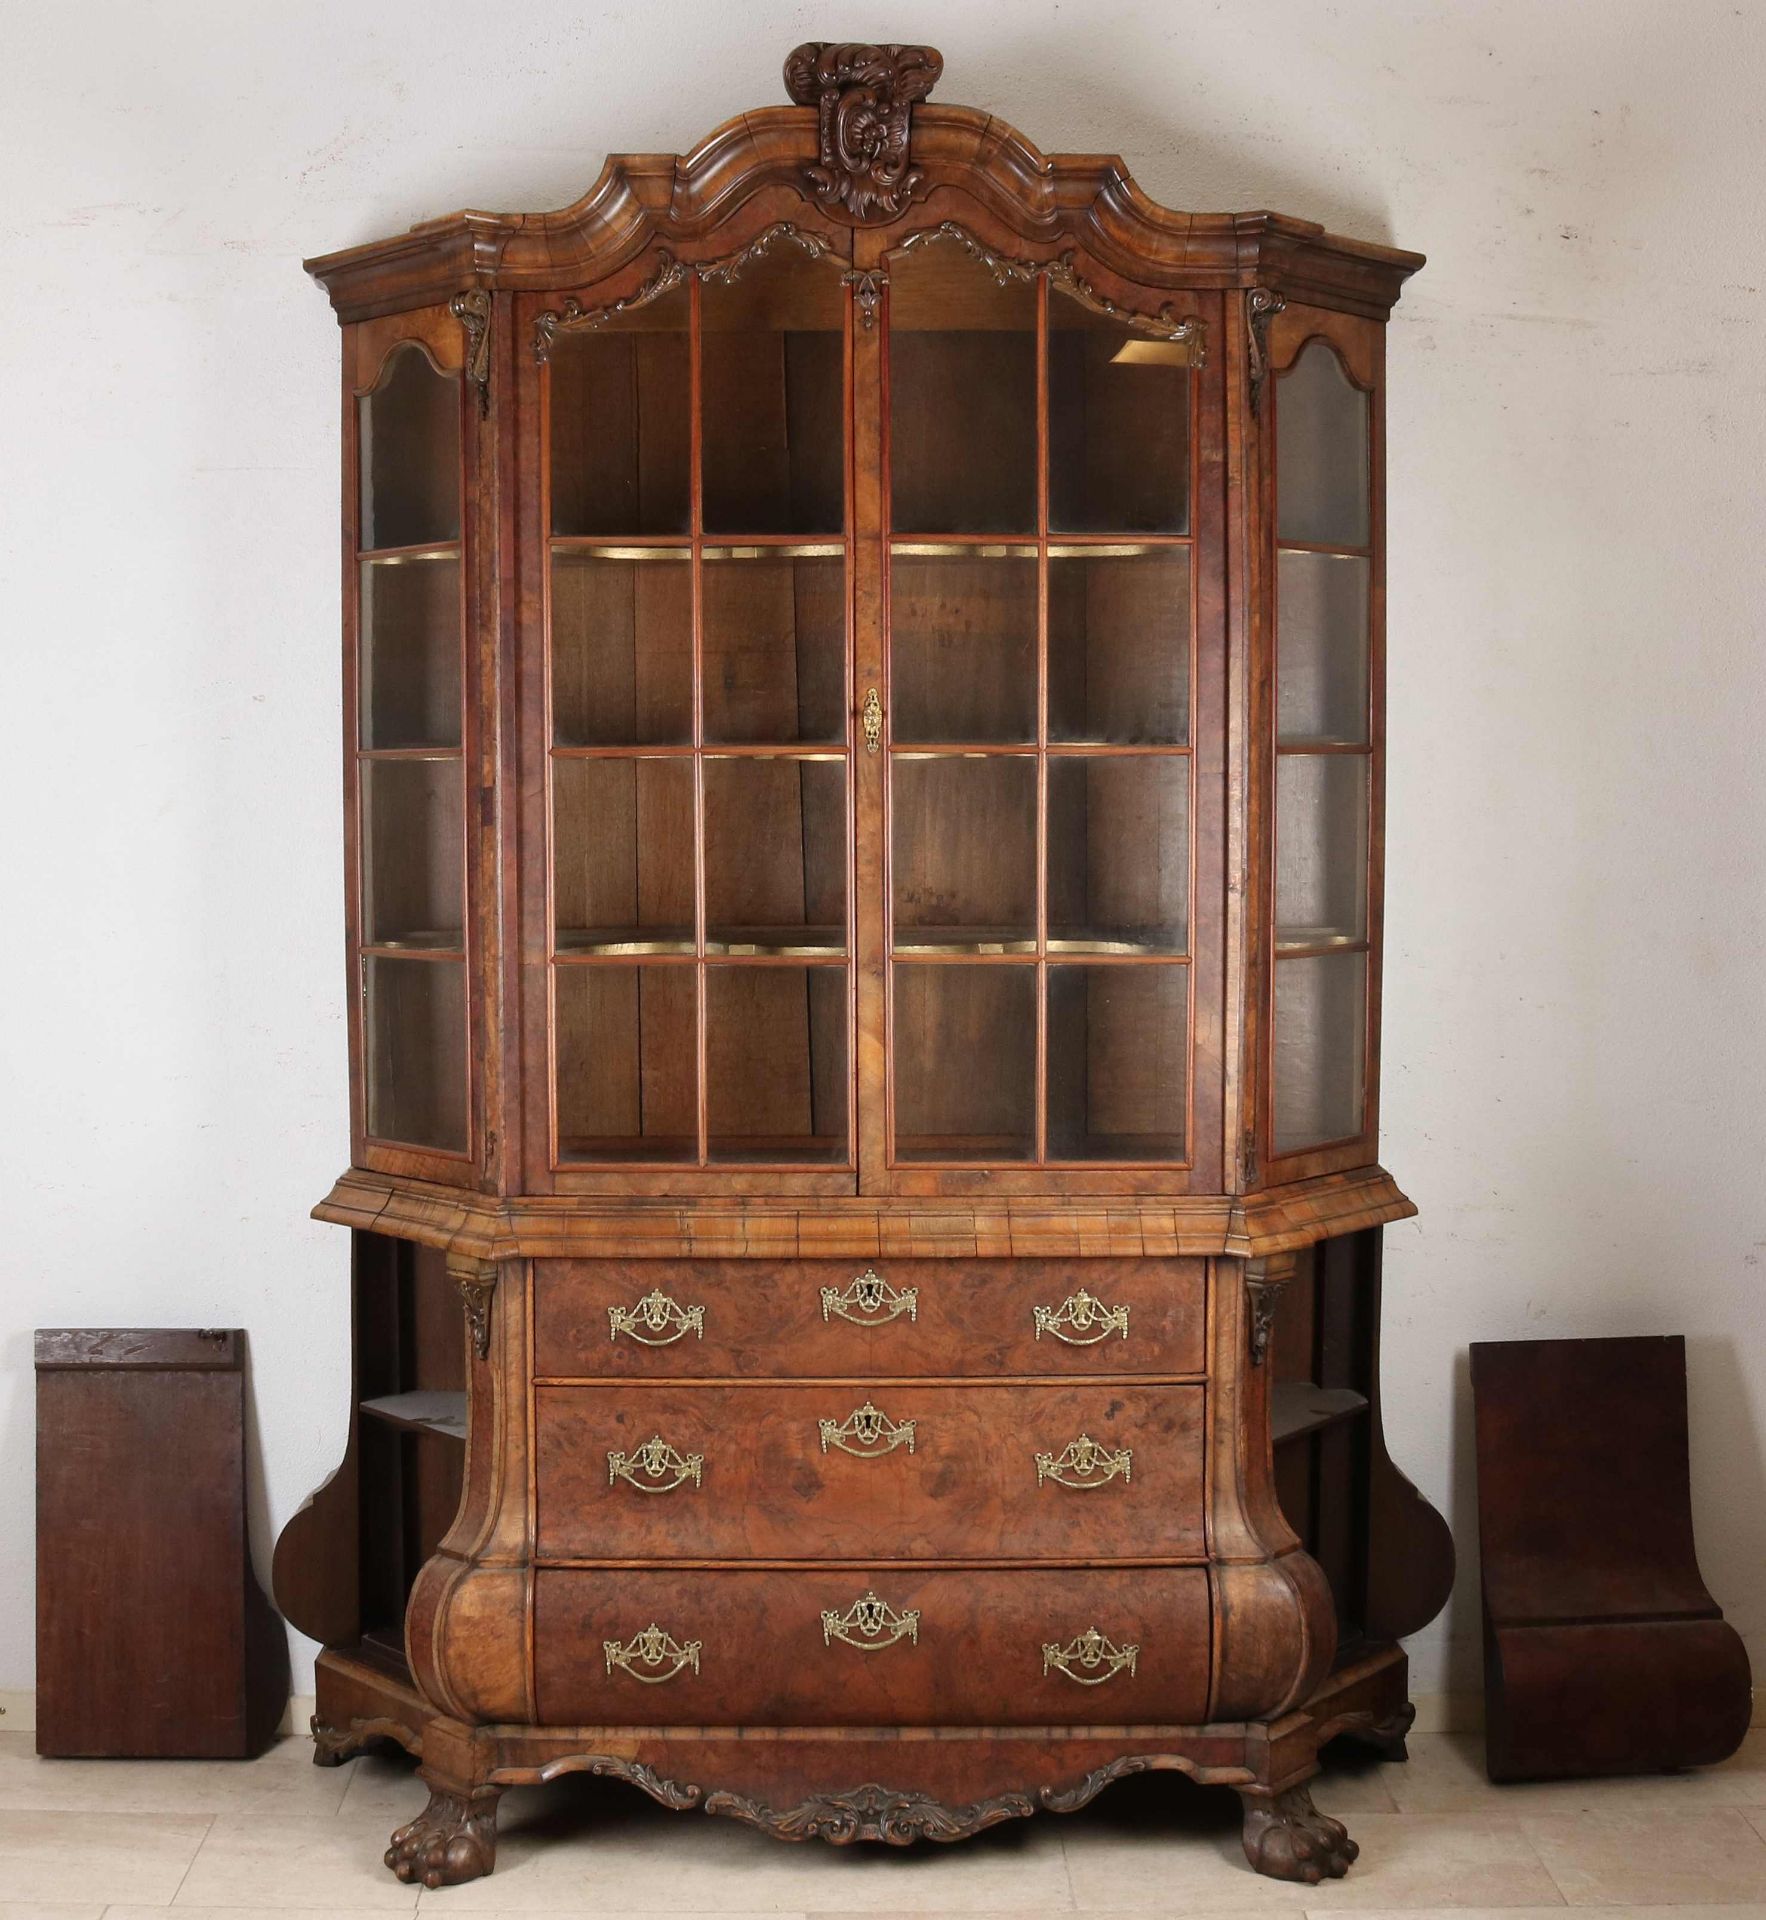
column 863, row 739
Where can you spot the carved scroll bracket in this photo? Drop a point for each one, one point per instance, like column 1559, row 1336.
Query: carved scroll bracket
column 1261, row 307
column 473, row 311
column 477, row 1281
column 863, row 97
column 1264, row 1281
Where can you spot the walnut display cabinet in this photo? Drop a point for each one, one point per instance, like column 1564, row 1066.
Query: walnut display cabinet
column 863, row 743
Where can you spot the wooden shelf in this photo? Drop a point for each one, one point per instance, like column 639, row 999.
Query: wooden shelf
column 424, row 1412
column 1297, row 1408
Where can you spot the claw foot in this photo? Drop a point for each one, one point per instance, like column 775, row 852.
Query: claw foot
column 454, row 1838
column 1287, row 1838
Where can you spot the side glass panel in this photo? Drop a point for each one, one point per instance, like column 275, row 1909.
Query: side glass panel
column 700, row 761
column 1324, row 752
column 1039, row 771
column 410, row 772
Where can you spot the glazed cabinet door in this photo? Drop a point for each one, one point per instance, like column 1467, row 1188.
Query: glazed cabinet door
column 693, row 944
column 1048, row 722
column 409, row 740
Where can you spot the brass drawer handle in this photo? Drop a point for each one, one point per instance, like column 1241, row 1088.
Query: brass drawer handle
column 1085, row 1465
column 655, row 1467
column 868, row 1300
column 655, row 1649
column 867, row 1433
column 656, row 1320
column 1075, row 1318
column 870, row 1624
column 1090, row 1658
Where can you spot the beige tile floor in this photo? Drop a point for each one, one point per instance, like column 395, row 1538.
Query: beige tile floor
column 124, row 1840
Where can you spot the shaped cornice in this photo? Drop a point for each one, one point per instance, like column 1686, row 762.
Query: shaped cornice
column 760, row 166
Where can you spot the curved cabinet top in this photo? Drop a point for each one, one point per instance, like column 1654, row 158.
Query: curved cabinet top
column 859, row 155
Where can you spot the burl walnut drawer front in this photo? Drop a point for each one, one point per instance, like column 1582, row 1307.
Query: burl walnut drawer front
column 871, row 1647
column 748, row 1319
column 903, row 1470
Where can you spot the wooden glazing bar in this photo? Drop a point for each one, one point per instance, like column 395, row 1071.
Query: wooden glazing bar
column 1040, row 1094
column 696, row 524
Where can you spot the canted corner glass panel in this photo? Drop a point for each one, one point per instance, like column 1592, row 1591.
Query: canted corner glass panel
column 1119, row 425
column 1320, row 849
column 1119, row 645
column 776, row 1082
column 1118, row 1062
column 410, row 652
column 622, row 835
column 1322, row 473
column 1119, row 853
column 964, row 862
column 626, row 1049
column 621, row 422
column 413, row 853
column 774, row 644
column 772, row 394
column 408, row 447
column 1321, row 649
column 962, row 645
column 775, row 855
column 965, row 1062
column 962, row 393
column 622, row 646
column 1320, row 1049
column 414, row 1052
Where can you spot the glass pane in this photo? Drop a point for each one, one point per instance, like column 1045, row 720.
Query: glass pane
column 1118, row 1062
column 772, row 393
column 414, row 1055
column 965, row 1062
column 962, row 645
column 775, row 647
column 413, row 841
column 1320, row 849
column 621, row 422
column 1119, row 652
column 622, row 647
column 775, row 854
column 1321, row 649
column 627, row 1067
column 410, row 652
column 965, row 851
column 1119, row 853
column 1320, row 1037
column 1119, row 425
column 623, row 855
column 962, row 395
column 1321, row 453
column 775, row 1063
column 408, row 432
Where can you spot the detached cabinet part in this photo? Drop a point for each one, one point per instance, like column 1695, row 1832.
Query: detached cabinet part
column 1603, row 1652
column 153, row 1638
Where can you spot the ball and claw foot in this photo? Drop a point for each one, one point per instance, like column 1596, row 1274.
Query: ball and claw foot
column 1287, row 1838
column 453, row 1839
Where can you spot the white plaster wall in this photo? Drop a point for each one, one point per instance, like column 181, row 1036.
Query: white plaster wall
column 1575, row 1020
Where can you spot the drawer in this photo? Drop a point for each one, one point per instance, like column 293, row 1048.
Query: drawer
column 874, row 1470
column 871, row 1647
column 758, row 1319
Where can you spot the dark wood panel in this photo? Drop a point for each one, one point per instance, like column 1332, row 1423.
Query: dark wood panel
column 759, row 1319
column 911, row 1471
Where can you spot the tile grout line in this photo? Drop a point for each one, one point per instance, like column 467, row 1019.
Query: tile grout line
column 208, row 1829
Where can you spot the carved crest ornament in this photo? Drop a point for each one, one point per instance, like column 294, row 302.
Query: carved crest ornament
column 862, row 97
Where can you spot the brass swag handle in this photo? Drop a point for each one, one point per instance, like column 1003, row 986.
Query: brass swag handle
column 868, row 1300
column 1089, row 1659
column 1082, row 1320
column 655, row 1467
column 655, row 1649
column 867, row 1433
column 1085, row 1465
column 870, row 1624
column 656, row 1320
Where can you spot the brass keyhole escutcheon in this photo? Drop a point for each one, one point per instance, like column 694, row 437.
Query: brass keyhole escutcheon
column 871, row 717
